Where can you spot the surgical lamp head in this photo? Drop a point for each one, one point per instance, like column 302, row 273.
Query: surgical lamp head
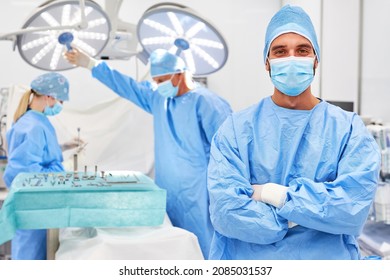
column 162, row 62
column 291, row 19
column 52, row 84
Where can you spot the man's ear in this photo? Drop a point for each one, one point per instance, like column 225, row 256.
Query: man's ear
column 267, row 67
column 315, row 63
column 178, row 77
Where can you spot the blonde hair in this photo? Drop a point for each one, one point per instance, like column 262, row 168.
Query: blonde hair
column 23, row 104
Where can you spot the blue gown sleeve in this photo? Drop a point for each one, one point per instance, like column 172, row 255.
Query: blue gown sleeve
column 26, row 154
column 342, row 205
column 232, row 211
column 141, row 94
column 212, row 113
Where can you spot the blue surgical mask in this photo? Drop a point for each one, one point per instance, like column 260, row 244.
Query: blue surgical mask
column 292, row 75
column 51, row 111
column 166, row 88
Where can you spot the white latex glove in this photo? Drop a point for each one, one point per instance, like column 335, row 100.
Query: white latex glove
column 80, row 58
column 273, row 194
column 291, row 224
column 270, row 193
column 74, row 143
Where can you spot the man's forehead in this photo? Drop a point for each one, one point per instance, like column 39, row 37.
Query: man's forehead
column 288, row 39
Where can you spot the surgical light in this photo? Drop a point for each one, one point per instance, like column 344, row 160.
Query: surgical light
column 57, row 25
column 181, row 31
column 43, row 49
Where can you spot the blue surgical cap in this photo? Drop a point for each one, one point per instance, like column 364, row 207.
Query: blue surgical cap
column 52, row 84
column 162, row 62
column 291, row 19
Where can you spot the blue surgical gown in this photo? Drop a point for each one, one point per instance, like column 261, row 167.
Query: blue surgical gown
column 325, row 157
column 183, row 129
column 32, row 147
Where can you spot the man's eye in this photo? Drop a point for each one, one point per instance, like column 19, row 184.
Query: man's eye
column 303, row 51
column 279, row 52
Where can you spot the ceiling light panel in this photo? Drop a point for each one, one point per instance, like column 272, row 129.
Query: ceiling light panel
column 43, row 50
column 181, row 31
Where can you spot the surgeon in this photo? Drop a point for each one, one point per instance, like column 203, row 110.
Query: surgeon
column 292, row 177
column 33, row 147
column 185, row 117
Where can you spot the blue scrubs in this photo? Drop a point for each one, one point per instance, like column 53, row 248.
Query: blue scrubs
column 32, row 147
column 183, row 129
column 325, row 157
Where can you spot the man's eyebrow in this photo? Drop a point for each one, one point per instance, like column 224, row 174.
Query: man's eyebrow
column 305, row 46
column 277, row 47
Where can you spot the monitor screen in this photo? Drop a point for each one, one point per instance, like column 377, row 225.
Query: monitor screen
column 345, row 105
